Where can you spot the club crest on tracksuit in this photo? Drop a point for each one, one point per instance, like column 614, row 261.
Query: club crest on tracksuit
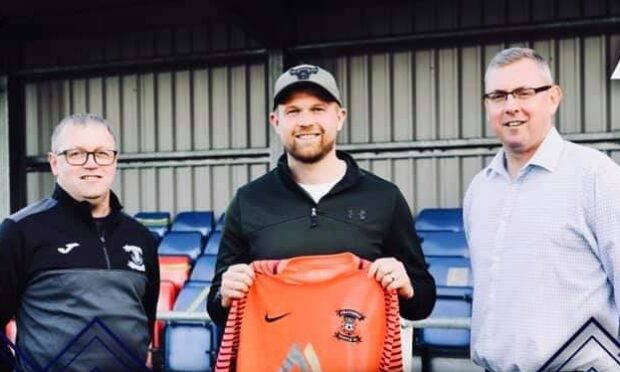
column 135, row 261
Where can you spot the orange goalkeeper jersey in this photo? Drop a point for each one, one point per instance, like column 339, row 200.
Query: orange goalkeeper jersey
column 310, row 314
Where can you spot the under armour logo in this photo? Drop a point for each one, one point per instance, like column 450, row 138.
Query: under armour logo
column 304, row 72
column 135, row 261
column 68, row 248
column 359, row 214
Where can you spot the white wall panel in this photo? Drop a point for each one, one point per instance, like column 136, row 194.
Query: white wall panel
column 425, row 97
column 380, row 97
column 358, row 91
column 403, row 96
column 182, row 125
column 569, row 78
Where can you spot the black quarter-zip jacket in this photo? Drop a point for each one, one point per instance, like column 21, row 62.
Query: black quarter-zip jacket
column 59, row 272
column 274, row 218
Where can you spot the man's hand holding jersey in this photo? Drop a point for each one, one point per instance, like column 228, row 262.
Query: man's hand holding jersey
column 391, row 274
column 236, row 282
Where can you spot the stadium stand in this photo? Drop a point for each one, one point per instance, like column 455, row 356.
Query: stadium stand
column 204, row 269
column 213, row 245
column 444, row 243
column 220, row 222
column 180, row 253
column 157, row 222
column 181, row 243
column 454, row 299
column 186, row 300
column 175, row 269
column 440, row 219
column 167, row 295
column 190, row 346
column 201, row 221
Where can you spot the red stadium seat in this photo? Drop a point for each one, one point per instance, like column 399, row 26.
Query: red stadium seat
column 167, row 295
column 174, row 269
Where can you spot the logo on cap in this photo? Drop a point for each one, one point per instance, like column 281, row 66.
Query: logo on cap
column 304, row 72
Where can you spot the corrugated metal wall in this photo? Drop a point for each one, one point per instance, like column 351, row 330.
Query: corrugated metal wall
column 415, row 96
column 435, row 95
column 214, row 108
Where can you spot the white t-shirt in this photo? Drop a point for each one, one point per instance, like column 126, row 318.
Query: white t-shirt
column 319, row 190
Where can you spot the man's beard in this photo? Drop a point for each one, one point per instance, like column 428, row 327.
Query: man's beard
column 310, row 157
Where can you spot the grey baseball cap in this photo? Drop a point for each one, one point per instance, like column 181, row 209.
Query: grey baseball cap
column 305, row 74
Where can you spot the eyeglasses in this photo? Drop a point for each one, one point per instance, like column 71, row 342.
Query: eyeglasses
column 80, row 157
column 500, row 96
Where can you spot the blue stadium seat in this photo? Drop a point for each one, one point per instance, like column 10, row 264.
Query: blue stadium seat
column 213, row 244
column 177, row 243
column 188, row 294
column 189, row 347
column 454, row 299
column 157, row 222
column 204, row 269
column 220, row 222
column 450, row 271
column 194, row 221
column 451, row 302
column 444, row 243
column 440, row 219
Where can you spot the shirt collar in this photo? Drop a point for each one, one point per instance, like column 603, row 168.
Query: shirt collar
column 547, row 156
column 497, row 164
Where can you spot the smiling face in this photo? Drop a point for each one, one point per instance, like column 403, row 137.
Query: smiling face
column 308, row 125
column 89, row 182
column 521, row 124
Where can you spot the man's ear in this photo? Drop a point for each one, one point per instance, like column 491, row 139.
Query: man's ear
column 274, row 120
column 555, row 97
column 342, row 116
column 53, row 160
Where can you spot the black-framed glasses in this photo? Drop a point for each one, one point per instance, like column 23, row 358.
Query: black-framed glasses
column 500, row 96
column 80, row 157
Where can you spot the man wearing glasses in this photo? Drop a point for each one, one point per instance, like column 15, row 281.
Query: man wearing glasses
column 543, row 226
column 74, row 260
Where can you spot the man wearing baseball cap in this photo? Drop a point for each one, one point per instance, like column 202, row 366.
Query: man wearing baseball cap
column 317, row 201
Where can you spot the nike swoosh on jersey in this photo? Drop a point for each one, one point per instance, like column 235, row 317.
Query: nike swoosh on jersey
column 272, row 319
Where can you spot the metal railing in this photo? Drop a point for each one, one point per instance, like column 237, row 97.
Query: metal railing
column 437, row 322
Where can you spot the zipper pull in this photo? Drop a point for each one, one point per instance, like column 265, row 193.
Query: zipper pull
column 313, row 218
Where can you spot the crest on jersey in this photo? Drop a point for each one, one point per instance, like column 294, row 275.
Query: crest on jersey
column 349, row 319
